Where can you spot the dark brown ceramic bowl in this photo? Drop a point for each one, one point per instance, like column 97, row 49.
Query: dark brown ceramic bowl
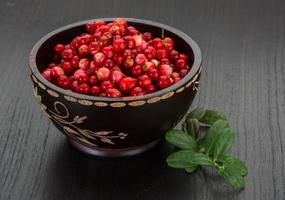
column 114, row 126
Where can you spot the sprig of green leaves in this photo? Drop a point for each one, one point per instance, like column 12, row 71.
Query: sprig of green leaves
column 210, row 150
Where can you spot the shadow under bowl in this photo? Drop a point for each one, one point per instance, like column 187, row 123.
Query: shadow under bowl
column 114, row 126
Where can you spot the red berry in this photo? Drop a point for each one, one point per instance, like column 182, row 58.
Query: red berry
column 109, row 63
column 83, row 88
column 138, row 40
column 102, row 94
column 58, row 48
column 83, row 78
column 74, row 86
column 118, row 45
column 118, row 59
column 180, row 64
column 183, row 73
column 83, row 50
column 51, row 65
column 103, row 74
column 108, row 51
column 150, row 88
column 176, row 79
column 67, row 54
column 75, row 62
column 99, row 23
column 144, row 80
column 46, row 74
column 84, row 39
column 150, row 52
column 84, row 64
column 174, row 55
column 116, row 76
column 137, row 70
column 93, row 48
column 121, row 22
column 168, row 44
column 106, row 85
column 161, row 53
column 129, row 62
column 147, row 36
column 113, row 93
column 67, row 67
column 155, row 62
column 99, row 59
column 95, row 90
column 140, row 59
column 115, row 30
column 90, row 27
column 165, row 70
column 126, row 84
column 63, row 82
column 157, row 43
column 175, row 75
column 56, row 72
column 127, row 53
column 77, row 73
column 93, row 80
column 164, row 81
column 165, row 61
column 148, row 65
column 183, row 56
column 137, row 91
column 153, row 73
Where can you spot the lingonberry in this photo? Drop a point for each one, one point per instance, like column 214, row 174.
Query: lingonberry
column 118, row 59
column 150, row 52
column 155, row 62
column 183, row 73
column 83, row 88
column 83, row 78
column 118, row 45
column 144, row 80
column 126, row 84
column 77, row 73
column 83, row 50
column 99, row 23
column 103, row 74
column 183, row 56
column 99, row 59
column 140, row 59
column 113, row 93
column 121, row 22
column 84, row 63
column 93, row 80
column 130, row 42
column 150, row 88
column 67, row 67
column 137, row 91
column 56, row 72
column 180, row 64
column 106, row 85
column 108, row 51
column 93, row 48
column 165, row 70
column 74, row 62
column 176, row 79
column 137, row 70
column 58, row 48
column 95, row 90
column 116, row 76
column 74, row 86
column 164, row 81
column 90, row 27
column 127, row 53
column 161, row 53
column 128, row 63
column 84, row 39
column 153, row 73
column 102, row 94
column 168, row 44
column 147, row 36
column 138, row 40
column 109, row 63
column 165, row 61
column 63, row 82
column 157, row 43
column 46, row 74
column 174, row 55
column 147, row 65
column 67, row 54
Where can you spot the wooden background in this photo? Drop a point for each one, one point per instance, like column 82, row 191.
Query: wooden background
column 243, row 46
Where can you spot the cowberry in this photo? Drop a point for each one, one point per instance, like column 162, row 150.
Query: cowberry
column 157, row 43
column 165, row 70
column 140, row 59
column 137, row 91
column 118, row 45
column 113, row 93
column 83, row 88
column 126, row 84
column 56, row 72
column 63, row 82
column 58, row 48
column 116, row 76
column 103, row 74
column 67, row 54
column 106, row 85
column 95, row 90
column 144, row 80
column 164, row 81
column 137, row 70
column 46, row 74
column 99, row 59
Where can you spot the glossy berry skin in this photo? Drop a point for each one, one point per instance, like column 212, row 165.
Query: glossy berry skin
column 99, row 59
column 93, row 80
column 176, row 79
column 67, row 67
column 56, row 72
column 116, row 76
column 103, row 74
column 67, row 54
column 106, row 85
column 140, row 59
column 95, row 90
column 74, row 62
column 164, row 81
column 127, row 83
column 108, row 51
column 150, row 88
column 183, row 73
column 58, row 49
column 147, row 36
column 165, row 61
column 137, row 70
column 118, row 45
column 118, row 59
column 83, row 78
column 180, row 64
column 46, row 74
column 83, row 50
column 174, row 55
column 128, row 63
column 144, row 80
column 150, row 52
column 153, row 73
column 84, row 64
column 148, row 65
column 168, row 44
column 165, row 70
column 161, row 53
column 113, row 93
column 137, row 91
column 63, row 82
column 93, row 48
column 130, row 42
column 157, row 43
column 83, row 88
column 138, row 40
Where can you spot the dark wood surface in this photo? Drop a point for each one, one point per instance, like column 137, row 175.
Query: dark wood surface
column 243, row 46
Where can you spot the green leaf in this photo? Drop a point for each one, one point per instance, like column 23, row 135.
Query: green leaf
column 212, row 135
column 192, row 127
column 197, row 113
column 181, row 139
column 224, row 143
column 211, row 116
column 235, row 180
column 181, row 159
column 191, row 168
column 235, row 165
column 201, row 159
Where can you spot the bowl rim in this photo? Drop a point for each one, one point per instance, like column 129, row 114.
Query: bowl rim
column 196, row 65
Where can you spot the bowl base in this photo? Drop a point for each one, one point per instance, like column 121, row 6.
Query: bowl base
column 102, row 152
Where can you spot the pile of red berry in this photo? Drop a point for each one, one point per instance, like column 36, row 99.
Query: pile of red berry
column 114, row 59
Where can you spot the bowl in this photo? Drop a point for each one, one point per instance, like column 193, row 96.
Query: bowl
column 114, row 126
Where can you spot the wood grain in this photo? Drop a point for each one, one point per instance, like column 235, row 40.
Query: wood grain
column 243, row 45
